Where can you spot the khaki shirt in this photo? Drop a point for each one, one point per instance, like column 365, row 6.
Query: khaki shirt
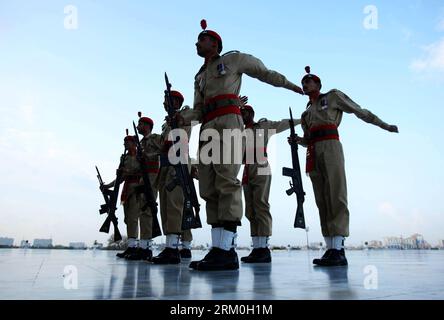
column 210, row 82
column 131, row 167
column 260, row 130
column 166, row 128
column 328, row 109
column 151, row 146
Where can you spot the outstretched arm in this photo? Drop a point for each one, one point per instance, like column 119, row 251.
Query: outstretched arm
column 282, row 125
column 254, row 67
column 349, row 106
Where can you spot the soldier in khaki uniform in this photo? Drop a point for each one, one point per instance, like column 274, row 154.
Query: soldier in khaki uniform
column 133, row 202
column 325, row 161
column 171, row 202
column 151, row 145
column 217, row 107
column 256, row 181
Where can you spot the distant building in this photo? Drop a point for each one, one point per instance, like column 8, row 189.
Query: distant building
column 6, row 242
column 25, row 244
column 374, row 244
column 393, row 243
column 42, row 243
column 77, row 245
column 418, row 241
column 415, row 241
column 442, row 244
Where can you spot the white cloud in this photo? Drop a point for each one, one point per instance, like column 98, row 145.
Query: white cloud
column 432, row 59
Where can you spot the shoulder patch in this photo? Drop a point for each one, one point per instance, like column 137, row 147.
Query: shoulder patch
column 230, row 52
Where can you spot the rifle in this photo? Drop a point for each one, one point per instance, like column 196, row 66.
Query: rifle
column 110, row 205
column 191, row 206
column 296, row 179
column 147, row 190
column 105, row 192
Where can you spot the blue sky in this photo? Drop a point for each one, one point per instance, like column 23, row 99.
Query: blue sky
column 66, row 97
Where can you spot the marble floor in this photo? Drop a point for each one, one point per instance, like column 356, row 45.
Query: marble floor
column 96, row 274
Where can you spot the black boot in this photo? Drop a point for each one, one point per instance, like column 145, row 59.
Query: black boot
column 324, row 257
column 209, row 255
column 167, row 256
column 332, row 258
column 218, row 259
column 140, row 254
column 126, row 252
column 258, row 255
column 185, row 253
column 146, row 254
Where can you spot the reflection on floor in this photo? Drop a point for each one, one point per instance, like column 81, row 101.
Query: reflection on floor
column 69, row 274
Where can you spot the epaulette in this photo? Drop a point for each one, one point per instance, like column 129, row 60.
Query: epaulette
column 230, row 52
column 331, row 91
column 262, row 120
column 185, row 108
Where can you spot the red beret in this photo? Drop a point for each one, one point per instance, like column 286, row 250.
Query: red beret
column 129, row 138
column 311, row 76
column 145, row 119
column 177, row 94
column 210, row 33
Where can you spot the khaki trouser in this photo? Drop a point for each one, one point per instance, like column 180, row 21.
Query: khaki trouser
column 257, row 207
column 134, row 215
column 330, row 188
column 171, row 205
column 133, row 206
column 218, row 183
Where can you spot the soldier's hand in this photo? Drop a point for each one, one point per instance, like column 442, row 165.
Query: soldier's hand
column 393, row 128
column 243, row 100
column 105, row 186
column 298, row 90
column 296, row 139
column 178, row 118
